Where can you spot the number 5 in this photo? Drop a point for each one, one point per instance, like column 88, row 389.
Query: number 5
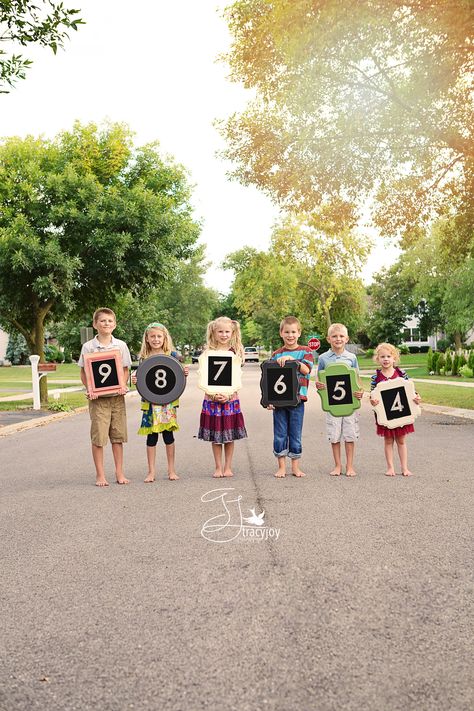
column 339, row 387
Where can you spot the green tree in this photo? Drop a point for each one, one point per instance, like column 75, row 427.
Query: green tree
column 391, row 303
column 44, row 23
column 356, row 104
column 441, row 264
column 83, row 218
column 311, row 271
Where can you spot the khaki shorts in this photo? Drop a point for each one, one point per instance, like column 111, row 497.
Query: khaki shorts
column 108, row 419
column 342, row 429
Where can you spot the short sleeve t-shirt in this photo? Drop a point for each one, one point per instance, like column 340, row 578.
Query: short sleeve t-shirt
column 95, row 346
column 330, row 357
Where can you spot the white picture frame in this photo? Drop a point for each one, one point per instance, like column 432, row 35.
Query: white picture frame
column 395, row 409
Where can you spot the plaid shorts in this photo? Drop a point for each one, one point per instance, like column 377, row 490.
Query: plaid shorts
column 342, row 429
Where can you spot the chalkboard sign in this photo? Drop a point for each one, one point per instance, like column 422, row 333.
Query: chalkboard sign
column 160, row 379
column 104, row 372
column 395, row 407
column 279, row 384
column 219, row 372
column 341, row 383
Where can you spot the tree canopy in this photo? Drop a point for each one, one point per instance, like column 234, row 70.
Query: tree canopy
column 84, row 218
column 311, row 270
column 356, row 104
column 22, row 22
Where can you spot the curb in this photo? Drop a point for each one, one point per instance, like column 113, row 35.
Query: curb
column 450, row 411
column 41, row 422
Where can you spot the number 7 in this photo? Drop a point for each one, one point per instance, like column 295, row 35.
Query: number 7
column 223, row 364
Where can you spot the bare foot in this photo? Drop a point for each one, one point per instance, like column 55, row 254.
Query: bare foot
column 217, row 475
column 122, row 480
column 228, row 473
column 298, row 473
column 101, row 482
column 172, row 476
column 407, row 472
column 150, row 478
column 389, row 472
column 335, row 472
column 351, row 472
column 280, row 474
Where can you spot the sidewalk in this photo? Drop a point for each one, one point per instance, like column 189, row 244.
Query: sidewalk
column 53, row 392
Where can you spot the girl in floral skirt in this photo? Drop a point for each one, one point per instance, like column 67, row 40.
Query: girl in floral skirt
column 158, row 419
column 222, row 421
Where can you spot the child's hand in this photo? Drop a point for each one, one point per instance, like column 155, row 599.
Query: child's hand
column 134, row 378
column 320, row 385
column 123, row 391
column 270, row 407
column 374, row 402
column 281, row 361
column 220, row 398
column 359, row 394
column 417, row 399
column 91, row 396
column 186, row 370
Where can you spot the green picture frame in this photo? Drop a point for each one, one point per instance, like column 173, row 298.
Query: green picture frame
column 338, row 397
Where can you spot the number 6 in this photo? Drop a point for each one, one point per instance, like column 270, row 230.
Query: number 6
column 280, row 386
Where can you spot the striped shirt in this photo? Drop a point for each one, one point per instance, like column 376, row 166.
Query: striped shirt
column 302, row 354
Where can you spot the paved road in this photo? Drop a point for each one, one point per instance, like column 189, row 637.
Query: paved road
column 112, row 600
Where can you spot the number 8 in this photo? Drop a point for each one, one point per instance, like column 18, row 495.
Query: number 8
column 160, row 378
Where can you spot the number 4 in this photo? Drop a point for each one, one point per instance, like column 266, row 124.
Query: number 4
column 397, row 404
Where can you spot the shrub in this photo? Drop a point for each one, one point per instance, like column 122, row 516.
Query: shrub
column 440, row 364
column 434, row 362
column 455, row 370
column 470, row 360
column 429, row 360
column 449, row 362
column 413, row 349
column 67, row 356
column 466, row 371
column 369, row 352
column 424, row 349
column 52, row 354
column 442, row 344
column 405, row 350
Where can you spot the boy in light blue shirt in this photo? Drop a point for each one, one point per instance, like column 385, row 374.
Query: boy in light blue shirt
column 339, row 429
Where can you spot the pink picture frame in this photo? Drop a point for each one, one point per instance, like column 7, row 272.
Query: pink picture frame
column 104, row 372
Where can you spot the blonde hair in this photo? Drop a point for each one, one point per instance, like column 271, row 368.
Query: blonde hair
column 392, row 350
column 337, row 327
column 97, row 313
column 235, row 340
column 145, row 350
column 289, row 321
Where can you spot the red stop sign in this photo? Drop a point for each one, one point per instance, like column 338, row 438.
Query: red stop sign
column 314, row 343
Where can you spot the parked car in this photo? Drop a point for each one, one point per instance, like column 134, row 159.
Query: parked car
column 195, row 355
column 251, row 354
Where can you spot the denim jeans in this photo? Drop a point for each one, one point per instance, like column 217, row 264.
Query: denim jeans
column 287, row 429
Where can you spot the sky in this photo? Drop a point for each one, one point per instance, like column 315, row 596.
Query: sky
column 153, row 65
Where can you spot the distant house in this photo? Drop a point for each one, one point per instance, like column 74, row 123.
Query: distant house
column 413, row 336
column 3, row 344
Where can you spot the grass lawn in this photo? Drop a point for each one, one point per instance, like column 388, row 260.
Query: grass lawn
column 20, row 374
column 441, row 394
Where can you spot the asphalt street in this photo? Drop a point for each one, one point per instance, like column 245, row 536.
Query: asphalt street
column 355, row 594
